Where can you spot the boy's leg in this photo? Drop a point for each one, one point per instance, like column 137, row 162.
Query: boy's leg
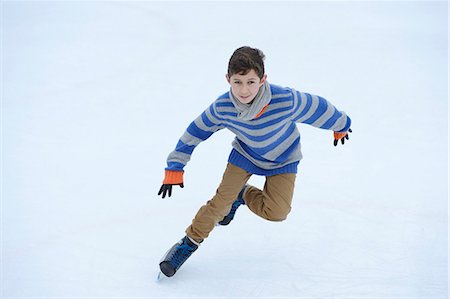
column 274, row 202
column 234, row 179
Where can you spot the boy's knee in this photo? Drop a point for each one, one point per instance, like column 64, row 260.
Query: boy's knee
column 277, row 219
column 276, row 216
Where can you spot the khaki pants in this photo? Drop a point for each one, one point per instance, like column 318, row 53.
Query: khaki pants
column 273, row 203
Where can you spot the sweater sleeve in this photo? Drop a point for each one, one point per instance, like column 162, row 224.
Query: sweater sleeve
column 318, row 112
column 199, row 130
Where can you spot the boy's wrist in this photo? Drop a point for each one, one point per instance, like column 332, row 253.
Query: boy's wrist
column 173, row 177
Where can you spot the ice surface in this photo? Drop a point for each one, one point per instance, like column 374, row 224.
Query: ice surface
column 96, row 94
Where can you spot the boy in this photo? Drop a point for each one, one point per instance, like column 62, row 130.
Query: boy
column 263, row 117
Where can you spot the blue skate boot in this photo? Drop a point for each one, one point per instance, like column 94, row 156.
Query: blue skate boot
column 176, row 256
column 236, row 204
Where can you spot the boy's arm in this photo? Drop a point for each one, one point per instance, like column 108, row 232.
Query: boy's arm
column 198, row 131
column 318, row 112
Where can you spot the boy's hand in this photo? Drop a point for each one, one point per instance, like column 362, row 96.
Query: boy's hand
column 342, row 136
column 172, row 178
column 167, row 189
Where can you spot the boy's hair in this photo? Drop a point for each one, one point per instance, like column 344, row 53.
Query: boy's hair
column 246, row 59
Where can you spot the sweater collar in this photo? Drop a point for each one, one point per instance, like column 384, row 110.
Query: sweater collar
column 251, row 111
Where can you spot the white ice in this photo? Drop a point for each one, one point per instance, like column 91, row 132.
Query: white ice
column 96, row 94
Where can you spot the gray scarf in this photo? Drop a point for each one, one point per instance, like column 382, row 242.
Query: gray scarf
column 249, row 111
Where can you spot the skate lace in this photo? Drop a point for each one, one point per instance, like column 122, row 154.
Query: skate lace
column 181, row 254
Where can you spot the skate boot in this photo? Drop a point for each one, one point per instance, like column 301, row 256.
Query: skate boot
column 176, row 256
column 236, row 204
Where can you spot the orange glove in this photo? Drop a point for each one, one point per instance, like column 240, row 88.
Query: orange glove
column 171, row 178
column 342, row 136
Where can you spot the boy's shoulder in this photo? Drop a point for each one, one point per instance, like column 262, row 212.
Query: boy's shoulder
column 277, row 90
column 225, row 96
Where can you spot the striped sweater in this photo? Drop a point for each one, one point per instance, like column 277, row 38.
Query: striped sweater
column 268, row 144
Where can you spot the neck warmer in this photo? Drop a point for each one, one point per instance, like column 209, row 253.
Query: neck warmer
column 249, row 111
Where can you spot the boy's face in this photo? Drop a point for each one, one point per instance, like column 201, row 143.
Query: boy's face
column 246, row 87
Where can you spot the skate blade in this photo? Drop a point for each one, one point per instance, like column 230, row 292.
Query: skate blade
column 160, row 276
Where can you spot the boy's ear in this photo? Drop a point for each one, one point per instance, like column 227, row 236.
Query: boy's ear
column 263, row 79
column 228, row 78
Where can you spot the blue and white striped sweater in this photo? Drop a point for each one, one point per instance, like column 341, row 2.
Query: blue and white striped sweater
column 269, row 144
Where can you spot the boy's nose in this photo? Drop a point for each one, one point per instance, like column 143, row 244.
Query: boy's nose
column 244, row 90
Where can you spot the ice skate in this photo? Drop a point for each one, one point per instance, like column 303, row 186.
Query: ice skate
column 176, row 256
column 236, row 204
